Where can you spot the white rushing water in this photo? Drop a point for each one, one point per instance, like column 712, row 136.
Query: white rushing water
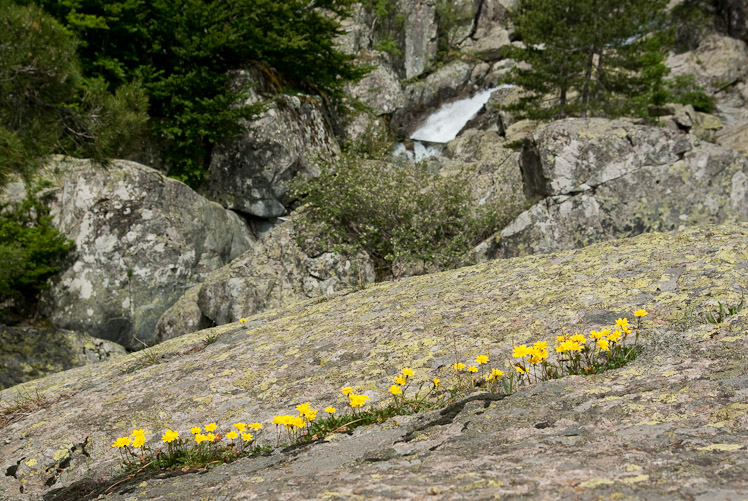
column 443, row 125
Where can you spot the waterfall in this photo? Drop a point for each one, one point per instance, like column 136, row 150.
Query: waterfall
column 443, row 125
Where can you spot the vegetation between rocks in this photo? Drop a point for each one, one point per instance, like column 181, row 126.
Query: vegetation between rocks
column 206, row 446
column 406, row 217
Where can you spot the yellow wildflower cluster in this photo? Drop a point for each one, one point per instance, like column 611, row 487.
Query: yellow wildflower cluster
column 575, row 354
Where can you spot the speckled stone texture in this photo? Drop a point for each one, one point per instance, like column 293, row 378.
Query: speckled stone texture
column 603, row 179
column 141, row 240
column 670, row 425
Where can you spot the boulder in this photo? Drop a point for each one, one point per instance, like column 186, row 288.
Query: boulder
column 28, row 353
column 717, row 63
column 141, row 240
column 601, row 179
column 250, row 173
column 275, row 272
column 671, row 424
column 495, row 172
column 380, row 90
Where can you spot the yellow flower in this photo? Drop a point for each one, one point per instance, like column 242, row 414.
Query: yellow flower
column 641, row 313
column 568, row 345
column 458, row 367
column 522, row 370
column 210, row 427
column 596, row 335
column 407, row 371
column 615, row 337
column 199, row 437
column 436, row 382
column 231, row 435
column 298, row 422
column 578, row 338
column 481, row 359
column 210, row 437
column 521, row 351
column 169, row 436
column 396, row 390
column 138, row 433
column 242, row 320
column 560, row 339
column 196, row 430
column 330, row 410
column 603, row 344
column 472, row 368
column 622, row 322
column 247, row 437
column 284, row 420
column 256, row 426
column 122, row 442
column 310, row 415
column 496, row 373
column 346, row 390
column 303, row 408
column 401, row 380
column 240, row 426
column 357, row 400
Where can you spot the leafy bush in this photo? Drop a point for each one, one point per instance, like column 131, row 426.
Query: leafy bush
column 407, row 218
column 46, row 105
column 684, row 90
column 31, row 248
column 182, row 51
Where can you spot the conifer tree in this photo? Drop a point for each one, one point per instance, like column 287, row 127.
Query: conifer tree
column 589, row 57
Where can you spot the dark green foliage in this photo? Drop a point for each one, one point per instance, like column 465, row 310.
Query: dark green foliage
column 31, row 248
column 452, row 18
column 408, row 219
column 45, row 104
column 182, row 52
column 589, row 57
column 684, row 90
column 388, row 26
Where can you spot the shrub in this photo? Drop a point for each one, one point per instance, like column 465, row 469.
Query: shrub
column 182, row 51
column 407, row 218
column 684, row 90
column 32, row 249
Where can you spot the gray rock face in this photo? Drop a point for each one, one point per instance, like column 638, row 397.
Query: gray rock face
column 28, row 353
column 250, row 173
column 141, row 240
column 421, row 43
column 602, row 179
column 275, row 272
column 718, row 62
column 380, row 90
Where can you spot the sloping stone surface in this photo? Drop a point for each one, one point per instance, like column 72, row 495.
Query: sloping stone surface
column 250, row 173
column 141, row 240
column 670, row 425
column 275, row 272
column 28, row 353
column 601, row 179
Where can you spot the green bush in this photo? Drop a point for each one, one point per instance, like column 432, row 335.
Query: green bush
column 46, row 105
column 32, row 250
column 182, row 51
column 407, row 218
column 684, row 90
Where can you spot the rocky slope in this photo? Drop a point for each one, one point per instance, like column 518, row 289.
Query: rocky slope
column 670, row 425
